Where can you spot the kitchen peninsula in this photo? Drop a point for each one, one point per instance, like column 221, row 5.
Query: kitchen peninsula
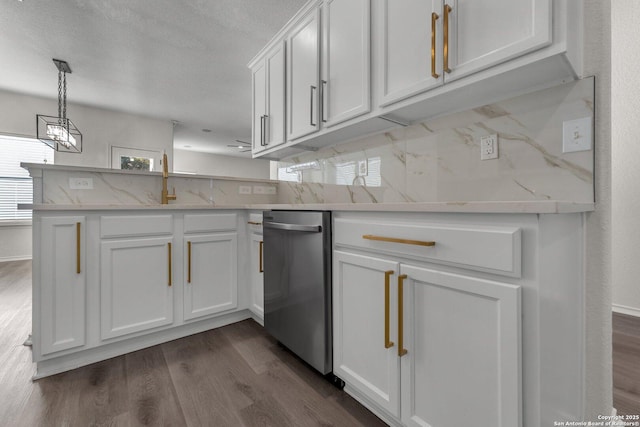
column 495, row 301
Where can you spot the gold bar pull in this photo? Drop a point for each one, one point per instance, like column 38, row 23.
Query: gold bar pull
column 260, row 268
column 78, row 248
column 395, row 240
column 254, row 223
column 434, row 18
column 445, row 23
column 188, row 262
column 169, row 246
column 401, row 350
column 387, row 342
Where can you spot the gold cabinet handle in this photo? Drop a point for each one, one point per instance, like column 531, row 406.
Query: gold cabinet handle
column 78, row 248
column 188, row 262
column 395, row 240
column 169, row 246
column 401, row 350
column 434, row 18
column 260, row 267
column 254, row 223
column 387, row 342
column 445, row 23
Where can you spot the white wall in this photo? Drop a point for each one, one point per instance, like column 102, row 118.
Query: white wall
column 100, row 129
column 598, row 369
column 215, row 164
column 625, row 134
column 15, row 242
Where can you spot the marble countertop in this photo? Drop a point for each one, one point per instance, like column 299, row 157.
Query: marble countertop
column 86, row 169
column 525, row 207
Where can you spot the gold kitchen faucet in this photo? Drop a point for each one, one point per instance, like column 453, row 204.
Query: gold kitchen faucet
column 165, row 177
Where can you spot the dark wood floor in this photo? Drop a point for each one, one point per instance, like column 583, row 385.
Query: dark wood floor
column 232, row 376
column 626, row 364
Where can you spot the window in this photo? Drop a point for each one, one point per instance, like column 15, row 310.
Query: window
column 134, row 159
column 15, row 182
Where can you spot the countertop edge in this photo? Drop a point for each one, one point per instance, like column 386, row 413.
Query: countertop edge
column 524, row 207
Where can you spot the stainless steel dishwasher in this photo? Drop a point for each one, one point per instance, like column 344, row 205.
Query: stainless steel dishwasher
column 297, row 284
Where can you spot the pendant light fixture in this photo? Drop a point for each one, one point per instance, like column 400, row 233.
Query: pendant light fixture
column 59, row 132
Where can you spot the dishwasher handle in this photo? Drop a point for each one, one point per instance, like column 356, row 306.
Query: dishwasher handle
column 293, row 227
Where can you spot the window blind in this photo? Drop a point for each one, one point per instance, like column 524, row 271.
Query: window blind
column 15, row 183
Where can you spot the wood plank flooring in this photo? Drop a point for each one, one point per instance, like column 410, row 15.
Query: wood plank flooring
column 232, row 376
column 626, row 364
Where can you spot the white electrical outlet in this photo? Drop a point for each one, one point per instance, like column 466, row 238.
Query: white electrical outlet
column 576, row 135
column 269, row 190
column 81, row 183
column 244, row 189
column 489, row 147
column 258, row 189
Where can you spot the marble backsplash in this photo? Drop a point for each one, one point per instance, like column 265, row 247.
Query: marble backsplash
column 109, row 187
column 438, row 160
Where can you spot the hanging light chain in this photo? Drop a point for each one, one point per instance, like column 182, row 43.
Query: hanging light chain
column 60, row 97
column 64, row 99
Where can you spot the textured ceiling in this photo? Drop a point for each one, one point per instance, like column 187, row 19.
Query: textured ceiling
column 182, row 60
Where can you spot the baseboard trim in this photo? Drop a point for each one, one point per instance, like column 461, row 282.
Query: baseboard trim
column 629, row 311
column 15, row 258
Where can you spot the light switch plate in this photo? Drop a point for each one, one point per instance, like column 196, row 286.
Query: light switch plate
column 258, row 189
column 489, row 147
column 269, row 190
column 244, row 189
column 81, row 183
column 576, row 135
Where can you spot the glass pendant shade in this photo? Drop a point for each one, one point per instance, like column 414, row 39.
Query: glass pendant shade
column 61, row 135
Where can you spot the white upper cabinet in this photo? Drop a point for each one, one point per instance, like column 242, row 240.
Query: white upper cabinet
column 407, row 63
column 268, row 77
column 346, row 59
column 485, row 33
column 425, row 44
column 303, row 76
column 259, row 104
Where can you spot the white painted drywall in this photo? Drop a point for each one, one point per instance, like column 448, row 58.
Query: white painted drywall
column 598, row 369
column 215, row 164
column 100, row 128
column 625, row 135
column 16, row 242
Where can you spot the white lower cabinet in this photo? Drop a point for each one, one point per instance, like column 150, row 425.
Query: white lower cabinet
column 210, row 277
column 136, row 285
column 62, row 295
column 462, row 342
column 428, row 347
column 256, row 275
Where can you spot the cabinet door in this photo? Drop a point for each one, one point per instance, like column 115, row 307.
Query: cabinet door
column 488, row 32
column 62, row 284
column 258, row 103
column 346, row 60
column 136, row 292
column 462, row 337
column 303, row 74
column 257, row 279
column 210, row 274
column 274, row 121
column 407, row 63
column 361, row 355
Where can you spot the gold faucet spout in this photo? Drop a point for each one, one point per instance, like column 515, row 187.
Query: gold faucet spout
column 165, row 177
